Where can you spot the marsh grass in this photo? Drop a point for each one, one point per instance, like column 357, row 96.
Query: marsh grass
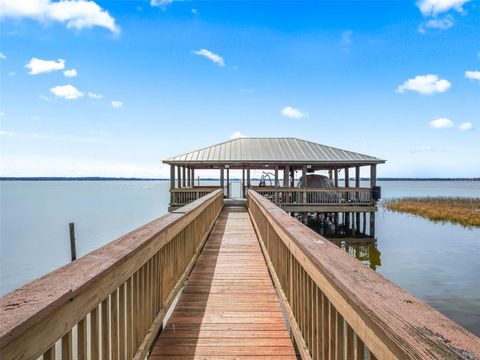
column 464, row 211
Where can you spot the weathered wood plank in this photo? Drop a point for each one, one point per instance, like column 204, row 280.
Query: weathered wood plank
column 228, row 308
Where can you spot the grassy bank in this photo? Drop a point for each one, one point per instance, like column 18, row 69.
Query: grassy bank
column 464, row 211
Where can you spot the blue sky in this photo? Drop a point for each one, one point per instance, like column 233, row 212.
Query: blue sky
column 395, row 79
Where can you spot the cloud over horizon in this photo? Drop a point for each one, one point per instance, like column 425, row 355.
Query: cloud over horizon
column 442, row 123
column 211, row 56
column 425, row 85
column 68, row 92
column 293, row 113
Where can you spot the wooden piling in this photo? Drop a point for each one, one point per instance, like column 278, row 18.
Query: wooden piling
column 73, row 247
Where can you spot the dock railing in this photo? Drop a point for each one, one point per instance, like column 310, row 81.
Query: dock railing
column 182, row 196
column 109, row 304
column 340, row 309
column 291, row 196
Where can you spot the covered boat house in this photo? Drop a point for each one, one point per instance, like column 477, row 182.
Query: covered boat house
column 289, row 173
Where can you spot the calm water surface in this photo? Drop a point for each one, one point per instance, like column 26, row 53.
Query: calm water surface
column 439, row 263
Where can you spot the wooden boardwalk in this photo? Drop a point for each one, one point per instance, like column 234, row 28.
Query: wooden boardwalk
column 229, row 308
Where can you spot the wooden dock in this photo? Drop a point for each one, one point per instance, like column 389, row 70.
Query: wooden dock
column 229, row 308
column 229, row 280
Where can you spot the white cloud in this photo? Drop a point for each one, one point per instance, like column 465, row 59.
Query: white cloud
column 70, row 73
column 435, row 7
column 425, row 85
column 210, row 55
column 160, row 3
column 472, row 75
column 6, row 133
column 44, row 98
column 78, row 14
column 39, row 66
column 466, row 126
column 442, row 24
column 95, row 96
column 67, row 92
column 441, row 123
column 2, row 56
column 117, row 104
column 293, row 113
column 236, row 135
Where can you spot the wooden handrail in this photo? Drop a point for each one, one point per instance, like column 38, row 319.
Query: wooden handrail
column 195, row 188
column 119, row 293
column 297, row 189
column 339, row 308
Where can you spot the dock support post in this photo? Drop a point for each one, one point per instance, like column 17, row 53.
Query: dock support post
column 364, row 227
column 73, row 246
column 372, row 224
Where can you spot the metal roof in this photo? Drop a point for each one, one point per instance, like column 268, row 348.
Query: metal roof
column 271, row 151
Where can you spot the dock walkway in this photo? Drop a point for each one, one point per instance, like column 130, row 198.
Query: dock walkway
column 229, row 308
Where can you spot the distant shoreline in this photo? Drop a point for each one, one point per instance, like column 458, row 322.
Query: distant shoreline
column 94, row 178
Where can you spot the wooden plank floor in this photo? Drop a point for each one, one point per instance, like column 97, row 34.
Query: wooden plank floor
column 229, row 308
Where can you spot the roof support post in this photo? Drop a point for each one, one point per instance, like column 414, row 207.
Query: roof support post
column 222, row 177
column 192, row 177
column 357, row 176
column 179, row 177
column 330, row 174
column 228, row 183
column 292, row 177
column 243, row 183
column 286, row 172
column 373, row 175
column 335, row 177
column 248, row 177
column 276, row 184
column 184, row 168
column 347, row 178
column 304, row 183
column 172, row 176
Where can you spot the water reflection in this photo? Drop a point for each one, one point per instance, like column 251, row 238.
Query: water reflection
column 348, row 231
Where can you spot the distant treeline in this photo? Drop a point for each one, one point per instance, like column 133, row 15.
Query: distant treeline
column 97, row 178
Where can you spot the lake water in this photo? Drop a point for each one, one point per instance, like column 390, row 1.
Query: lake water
column 439, row 263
